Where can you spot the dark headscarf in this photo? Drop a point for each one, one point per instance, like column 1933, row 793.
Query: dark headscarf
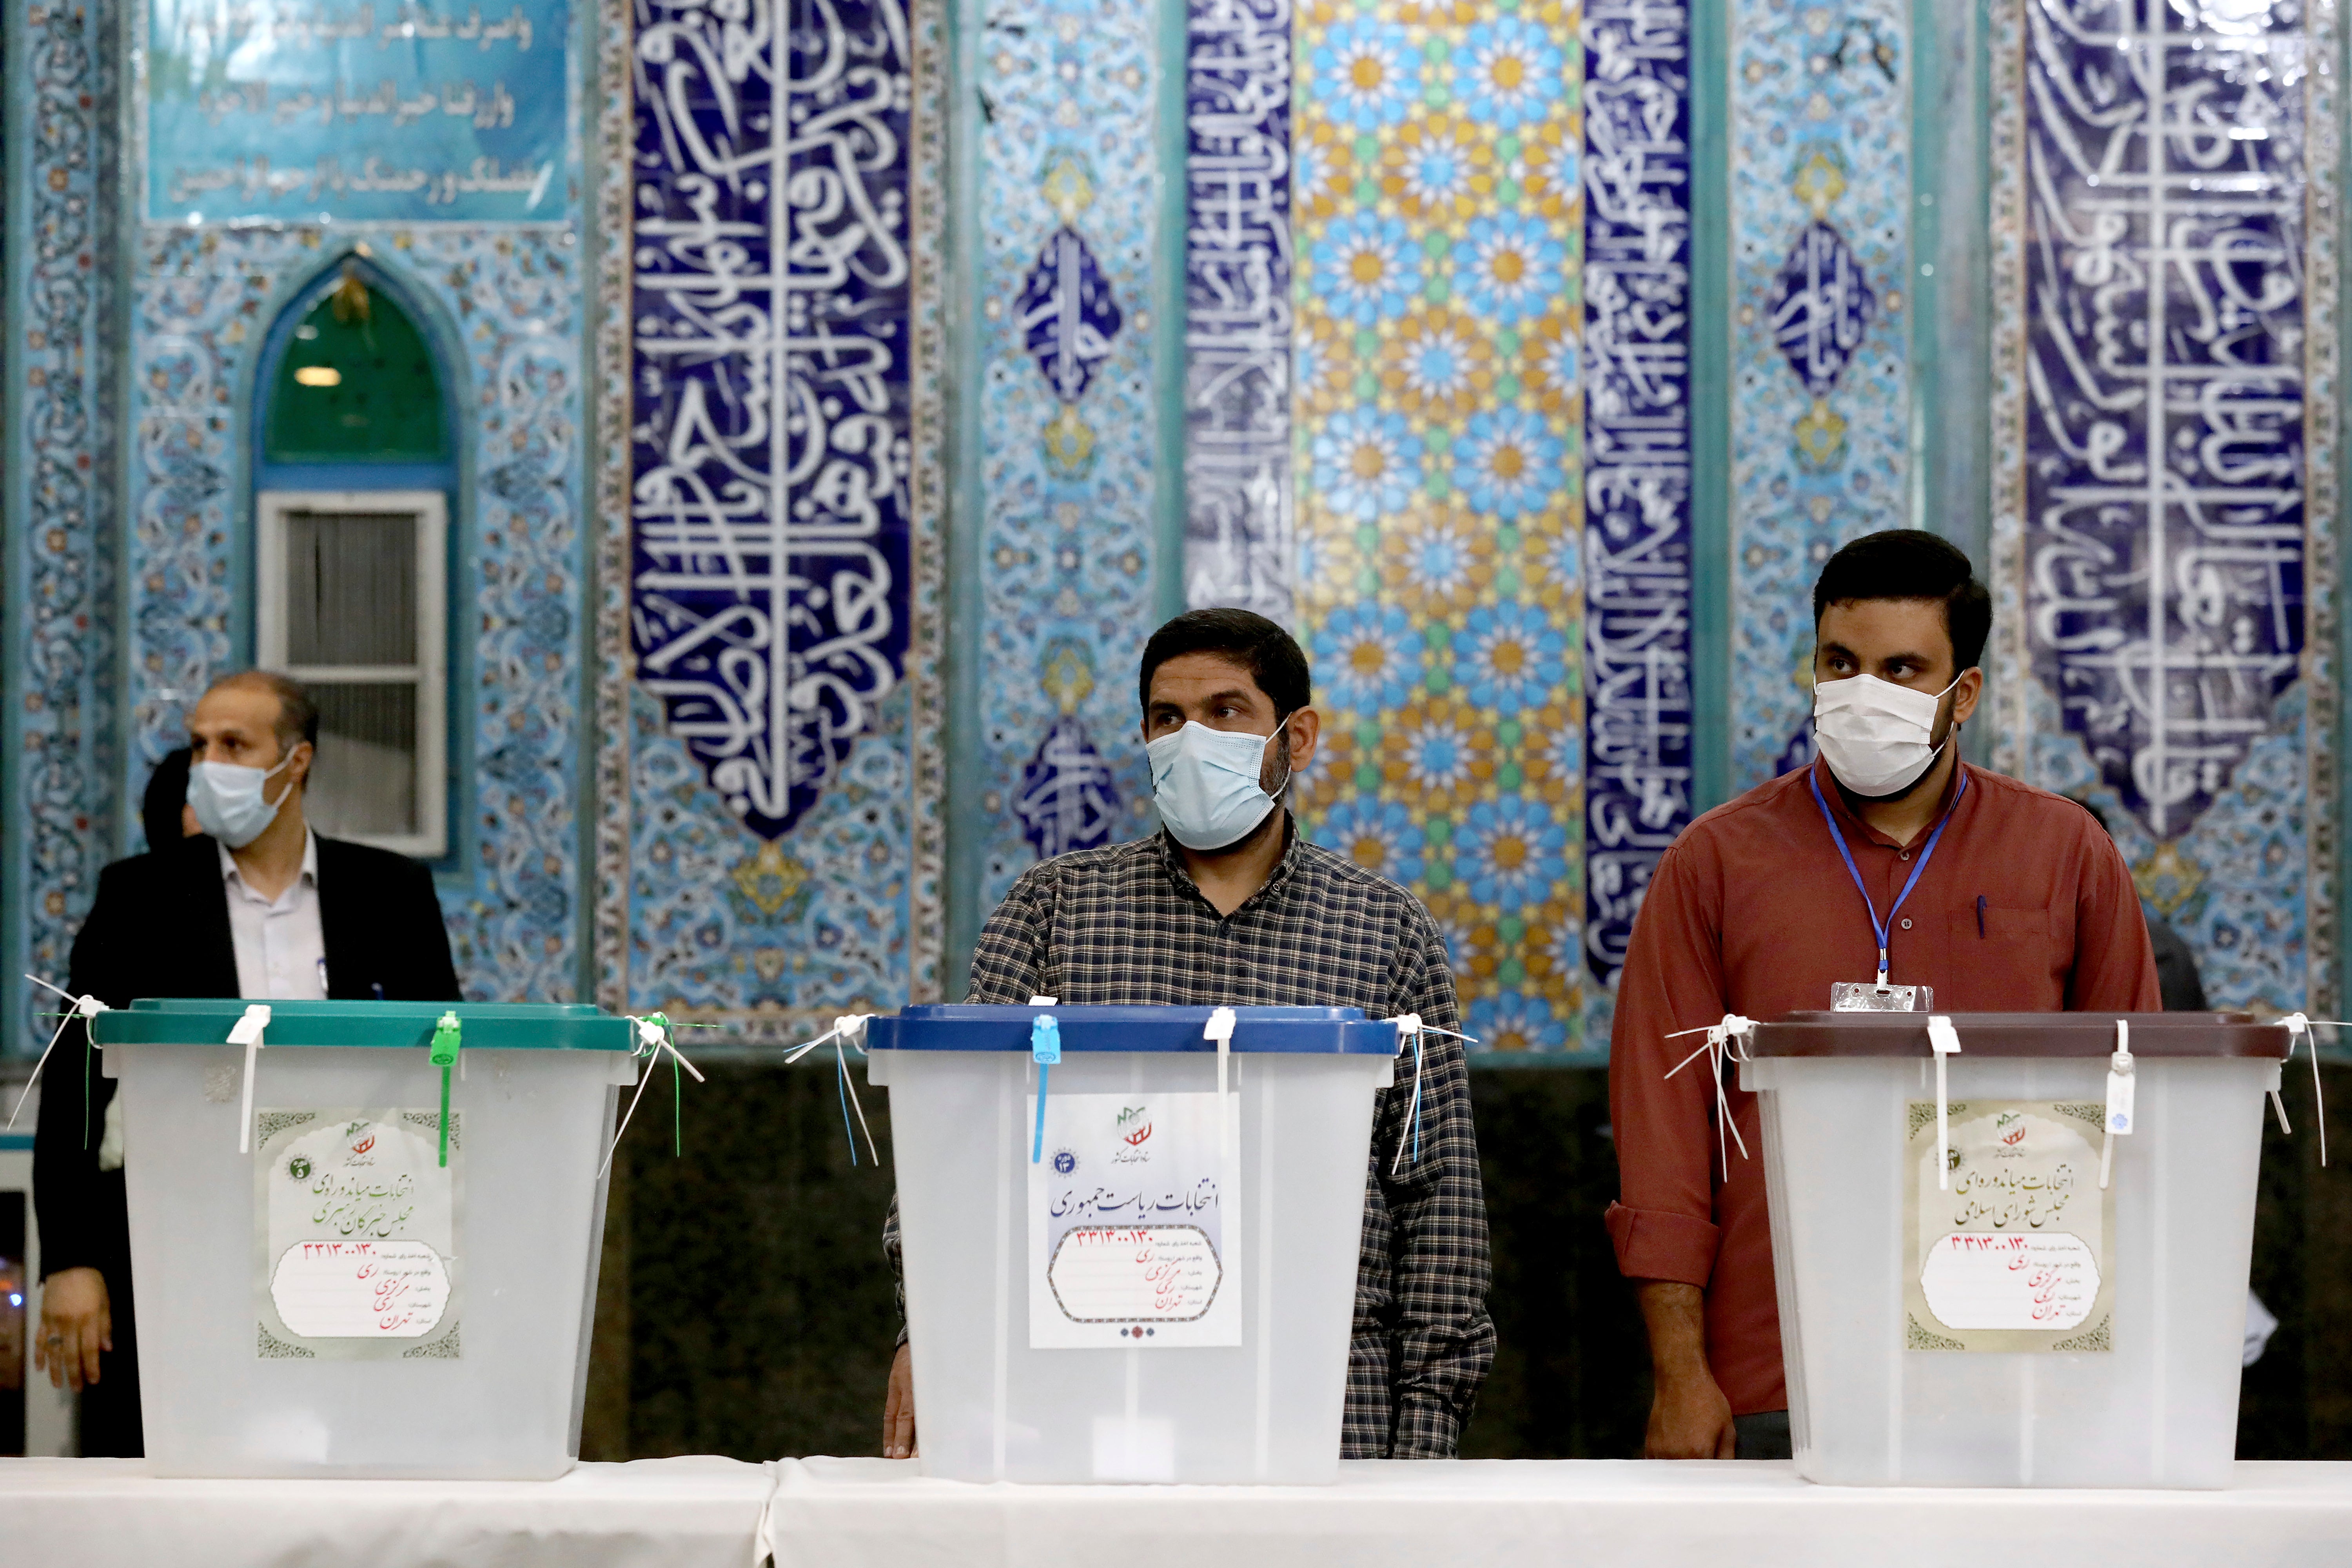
column 167, row 792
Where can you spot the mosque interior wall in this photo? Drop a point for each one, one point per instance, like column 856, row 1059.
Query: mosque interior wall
column 1524, row 358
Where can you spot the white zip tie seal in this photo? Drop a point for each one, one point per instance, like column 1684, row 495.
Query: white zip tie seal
column 849, row 1029
column 83, row 1007
column 654, row 1034
column 1944, row 1041
column 1408, row 1027
column 1722, row 1038
column 2121, row 1086
column 247, row 1032
column 1220, row 1029
column 2299, row 1027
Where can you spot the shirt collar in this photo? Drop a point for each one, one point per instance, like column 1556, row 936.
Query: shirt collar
column 310, row 860
column 1172, row 858
column 1854, row 826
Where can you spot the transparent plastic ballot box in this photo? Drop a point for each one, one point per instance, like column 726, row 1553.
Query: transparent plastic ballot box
column 326, row 1284
column 2016, row 1323
column 1140, row 1280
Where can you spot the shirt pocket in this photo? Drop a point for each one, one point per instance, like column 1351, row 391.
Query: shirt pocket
column 2017, row 965
column 2000, row 925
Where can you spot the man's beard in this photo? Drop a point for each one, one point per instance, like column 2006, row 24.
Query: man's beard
column 1273, row 818
column 1282, row 779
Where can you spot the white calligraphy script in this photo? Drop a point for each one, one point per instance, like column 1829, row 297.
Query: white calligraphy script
column 1637, row 484
column 773, row 453
column 1239, row 526
column 2165, row 318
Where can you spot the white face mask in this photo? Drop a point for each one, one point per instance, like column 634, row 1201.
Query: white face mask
column 231, row 802
column 1206, row 783
column 1877, row 737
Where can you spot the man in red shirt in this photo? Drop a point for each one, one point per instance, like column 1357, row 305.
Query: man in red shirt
column 2001, row 896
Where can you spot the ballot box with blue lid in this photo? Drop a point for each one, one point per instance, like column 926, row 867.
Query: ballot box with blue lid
column 1146, row 1272
column 335, row 1278
column 2012, row 1248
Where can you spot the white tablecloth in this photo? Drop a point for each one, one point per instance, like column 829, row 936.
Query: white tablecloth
column 852, row 1513
column 654, row 1513
column 874, row 1513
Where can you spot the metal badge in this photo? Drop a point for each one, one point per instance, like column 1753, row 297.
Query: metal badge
column 1861, row 996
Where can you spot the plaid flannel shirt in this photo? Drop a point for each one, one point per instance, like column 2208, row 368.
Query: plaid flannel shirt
column 1125, row 926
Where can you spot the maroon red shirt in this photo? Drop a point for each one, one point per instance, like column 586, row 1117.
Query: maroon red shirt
column 2025, row 907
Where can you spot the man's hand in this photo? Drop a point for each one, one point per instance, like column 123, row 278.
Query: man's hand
column 898, row 1408
column 1690, row 1419
column 1689, row 1416
column 76, row 1322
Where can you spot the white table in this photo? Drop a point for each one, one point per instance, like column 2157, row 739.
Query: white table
column 850, row 1513
column 653, row 1513
column 873, row 1513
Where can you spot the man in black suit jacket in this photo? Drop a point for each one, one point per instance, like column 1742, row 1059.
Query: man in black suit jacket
column 162, row 926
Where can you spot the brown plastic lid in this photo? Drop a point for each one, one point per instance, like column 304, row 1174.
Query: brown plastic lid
column 2021, row 1035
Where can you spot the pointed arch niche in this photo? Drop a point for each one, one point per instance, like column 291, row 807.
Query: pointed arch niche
column 355, row 466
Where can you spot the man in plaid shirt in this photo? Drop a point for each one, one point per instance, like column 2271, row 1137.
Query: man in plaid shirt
column 1263, row 917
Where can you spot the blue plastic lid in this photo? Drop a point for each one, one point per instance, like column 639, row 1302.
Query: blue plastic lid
column 1299, row 1031
column 384, row 1026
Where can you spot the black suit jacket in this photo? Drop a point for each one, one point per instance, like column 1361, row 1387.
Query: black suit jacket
column 159, row 927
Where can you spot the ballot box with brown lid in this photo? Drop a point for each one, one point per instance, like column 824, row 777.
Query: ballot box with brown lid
column 2012, row 1248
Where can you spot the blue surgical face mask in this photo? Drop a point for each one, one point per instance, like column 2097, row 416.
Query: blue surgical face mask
column 231, row 802
column 1207, row 784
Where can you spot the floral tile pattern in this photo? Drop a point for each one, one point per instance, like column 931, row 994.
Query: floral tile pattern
column 1432, row 418
column 1439, row 221
column 1820, row 184
column 1067, row 461
column 2230, row 884
column 60, row 505
column 764, row 938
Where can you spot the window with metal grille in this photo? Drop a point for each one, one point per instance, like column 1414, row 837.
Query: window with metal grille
column 352, row 604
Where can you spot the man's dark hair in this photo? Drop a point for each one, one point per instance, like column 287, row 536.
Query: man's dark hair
column 1271, row 655
column 1909, row 563
column 167, row 792
column 297, row 716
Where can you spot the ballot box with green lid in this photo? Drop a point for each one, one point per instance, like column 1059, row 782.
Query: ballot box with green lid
column 2011, row 1250
column 333, row 1277
column 1131, row 1234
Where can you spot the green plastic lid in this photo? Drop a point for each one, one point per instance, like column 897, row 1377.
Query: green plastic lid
column 389, row 1025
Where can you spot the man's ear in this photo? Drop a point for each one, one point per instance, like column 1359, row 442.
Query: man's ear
column 1305, row 729
column 1965, row 693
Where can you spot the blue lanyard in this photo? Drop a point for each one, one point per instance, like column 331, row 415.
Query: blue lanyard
column 1847, row 856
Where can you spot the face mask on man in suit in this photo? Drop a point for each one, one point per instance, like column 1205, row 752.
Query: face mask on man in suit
column 231, row 801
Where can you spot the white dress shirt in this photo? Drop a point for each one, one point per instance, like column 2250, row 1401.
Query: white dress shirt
column 281, row 953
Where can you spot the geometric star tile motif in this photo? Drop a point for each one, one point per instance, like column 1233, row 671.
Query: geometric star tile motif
column 1439, row 226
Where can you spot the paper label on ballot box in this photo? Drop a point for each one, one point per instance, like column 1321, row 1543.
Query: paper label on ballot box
column 355, row 1235
column 1135, row 1222
column 2014, row 1252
